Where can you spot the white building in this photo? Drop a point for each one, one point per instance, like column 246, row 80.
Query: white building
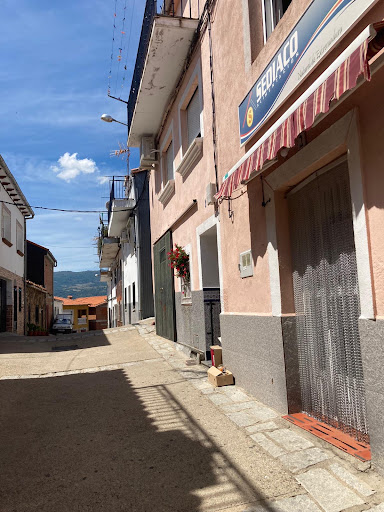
column 125, row 251
column 14, row 210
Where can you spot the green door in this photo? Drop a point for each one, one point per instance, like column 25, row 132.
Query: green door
column 164, row 289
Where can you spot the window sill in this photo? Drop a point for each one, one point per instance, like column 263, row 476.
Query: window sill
column 7, row 242
column 186, row 302
column 167, row 192
column 192, row 154
column 20, row 253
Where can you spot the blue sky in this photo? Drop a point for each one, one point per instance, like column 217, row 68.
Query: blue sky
column 56, row 58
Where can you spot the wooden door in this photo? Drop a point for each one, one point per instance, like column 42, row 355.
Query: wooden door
column 164, row 289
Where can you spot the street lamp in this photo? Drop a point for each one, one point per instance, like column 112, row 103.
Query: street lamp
column 109, row 119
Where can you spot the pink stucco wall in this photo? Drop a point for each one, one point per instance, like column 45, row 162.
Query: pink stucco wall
column 246, row 228
column 193, row 185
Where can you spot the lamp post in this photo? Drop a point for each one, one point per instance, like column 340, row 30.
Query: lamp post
column 109, row 119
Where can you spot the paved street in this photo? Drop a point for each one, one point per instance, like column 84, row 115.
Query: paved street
column 123, row 421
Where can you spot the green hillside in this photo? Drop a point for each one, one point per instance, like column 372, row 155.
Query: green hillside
column 78, row 284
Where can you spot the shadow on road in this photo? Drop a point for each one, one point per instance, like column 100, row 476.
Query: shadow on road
column 32, row 345
column 92, row 442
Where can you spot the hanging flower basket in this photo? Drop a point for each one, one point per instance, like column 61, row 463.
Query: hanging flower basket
column 179, row 261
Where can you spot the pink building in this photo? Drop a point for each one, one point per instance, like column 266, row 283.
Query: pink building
column 276, row 107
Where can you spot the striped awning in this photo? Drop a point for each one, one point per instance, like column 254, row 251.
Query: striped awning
column 302, row 117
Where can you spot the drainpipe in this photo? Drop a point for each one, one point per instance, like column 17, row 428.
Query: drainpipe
column 138, row 258
column 213, row 99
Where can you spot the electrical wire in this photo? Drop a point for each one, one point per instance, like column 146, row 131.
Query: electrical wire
column 121, row 45
column 113, row 41
column 128, row 45
column 64, row 210
column 54, row 209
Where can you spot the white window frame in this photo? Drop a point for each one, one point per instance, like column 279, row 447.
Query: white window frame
column 19, row 238
column 187, row 299
column 168, row 161
column 273, row 5
column 188, row 110
column 6, row 229
column 195, row 82
column 168, row 139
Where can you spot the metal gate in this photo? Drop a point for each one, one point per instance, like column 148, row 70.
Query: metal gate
column 164, row 289
column 327, row 303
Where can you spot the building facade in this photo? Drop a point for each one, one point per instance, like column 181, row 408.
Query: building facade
column 57, row 306
column 88, row 313
column 125, row 251
column 277, row 115
column 39, row 285
column 15, row 210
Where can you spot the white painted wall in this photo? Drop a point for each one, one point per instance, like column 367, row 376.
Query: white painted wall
column 57, row 308
column 209, row 259
column 9, row 259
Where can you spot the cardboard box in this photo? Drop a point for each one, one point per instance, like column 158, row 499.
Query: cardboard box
column 216, row 355
column 218, row 378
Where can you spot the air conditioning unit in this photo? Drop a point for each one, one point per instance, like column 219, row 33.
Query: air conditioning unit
column 148, row 154
column 210, row 192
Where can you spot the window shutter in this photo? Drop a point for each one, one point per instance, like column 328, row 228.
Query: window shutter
column 193, row 117
column 169, row 158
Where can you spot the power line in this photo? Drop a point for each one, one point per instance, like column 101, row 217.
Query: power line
column 129, row 44
column 119, row 57
column 55, row 209
column 113, row 41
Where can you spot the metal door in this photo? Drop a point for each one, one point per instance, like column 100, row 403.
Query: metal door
column 326, row 294
column 164, row 289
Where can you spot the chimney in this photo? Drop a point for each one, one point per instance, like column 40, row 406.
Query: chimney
column 70, row 297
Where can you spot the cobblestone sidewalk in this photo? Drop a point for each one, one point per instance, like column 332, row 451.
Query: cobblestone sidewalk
column 331, row 481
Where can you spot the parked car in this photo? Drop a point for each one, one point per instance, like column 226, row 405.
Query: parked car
column 63, row 323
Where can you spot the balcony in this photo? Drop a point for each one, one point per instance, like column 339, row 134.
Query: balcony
column 108, row 251
column 105, row 275
column 120, row 207
column 107, row 247
column 165, row 41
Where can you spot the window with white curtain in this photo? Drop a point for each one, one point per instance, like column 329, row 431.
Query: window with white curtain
column 193, row 117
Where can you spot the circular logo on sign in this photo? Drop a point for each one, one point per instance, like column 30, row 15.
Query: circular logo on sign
column 250, row 116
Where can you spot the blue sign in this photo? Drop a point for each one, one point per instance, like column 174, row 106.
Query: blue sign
column 296, row 57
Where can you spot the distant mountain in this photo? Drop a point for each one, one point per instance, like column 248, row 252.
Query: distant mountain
column 78, row 284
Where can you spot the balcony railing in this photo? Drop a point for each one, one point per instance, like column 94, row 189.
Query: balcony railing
column 167, row 8
column 118, row 191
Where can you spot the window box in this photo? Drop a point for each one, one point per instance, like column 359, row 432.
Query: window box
column 167, row 192
column 191, row 156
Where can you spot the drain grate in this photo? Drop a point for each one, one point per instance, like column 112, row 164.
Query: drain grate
column 330, row 434
column 67, row 347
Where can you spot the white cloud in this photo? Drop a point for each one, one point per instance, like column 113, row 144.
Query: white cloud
column 102, row 179
column 70, row 166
